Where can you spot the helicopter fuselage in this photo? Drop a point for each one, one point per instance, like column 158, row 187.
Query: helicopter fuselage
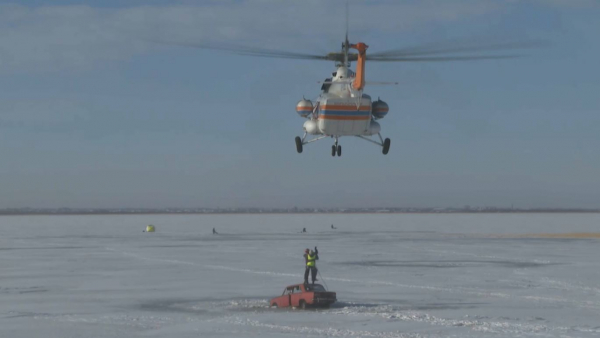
column 341, row 110
column 345, row 116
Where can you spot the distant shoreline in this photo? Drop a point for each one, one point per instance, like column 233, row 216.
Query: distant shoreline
column 212, row 213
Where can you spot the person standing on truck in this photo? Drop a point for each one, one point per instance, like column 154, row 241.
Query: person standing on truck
column 310, row 259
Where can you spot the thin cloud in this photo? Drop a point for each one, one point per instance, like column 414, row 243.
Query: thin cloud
column 55, row 38
column 577, row 4
column 42, row 112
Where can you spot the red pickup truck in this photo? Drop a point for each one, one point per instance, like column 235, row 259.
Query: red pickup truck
column 304, row 296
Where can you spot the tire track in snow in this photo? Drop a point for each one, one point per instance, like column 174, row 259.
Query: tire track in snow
column 390, row 313
column 327, row 332
column 568, row 286
column 495, row 257
column 556, row 284
column 363, row 282
column 456, row 290
column 122, row 320
column 272, row 273
column 213, row 267
column 393, row 314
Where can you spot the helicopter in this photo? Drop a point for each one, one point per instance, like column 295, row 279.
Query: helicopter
column 342, row 108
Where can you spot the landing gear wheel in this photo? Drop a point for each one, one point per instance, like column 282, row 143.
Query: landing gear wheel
column 386, row 146
column 339, row 150
column 333, row 150
column 298, row 144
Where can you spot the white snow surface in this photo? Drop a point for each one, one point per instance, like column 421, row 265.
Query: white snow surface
column 396, row 275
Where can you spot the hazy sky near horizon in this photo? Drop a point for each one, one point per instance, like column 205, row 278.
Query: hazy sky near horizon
column 94, row 113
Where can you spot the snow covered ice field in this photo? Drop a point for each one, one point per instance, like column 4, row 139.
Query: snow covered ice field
column 404, row 275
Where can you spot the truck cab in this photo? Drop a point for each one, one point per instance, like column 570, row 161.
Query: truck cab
column 304, row 296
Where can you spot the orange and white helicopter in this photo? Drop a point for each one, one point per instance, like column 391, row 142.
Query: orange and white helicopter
column 342, row 108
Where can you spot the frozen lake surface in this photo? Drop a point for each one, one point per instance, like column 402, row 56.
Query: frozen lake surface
column 462, row 275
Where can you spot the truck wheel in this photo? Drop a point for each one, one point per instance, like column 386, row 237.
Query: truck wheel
column 303, row 305
column 274, row 305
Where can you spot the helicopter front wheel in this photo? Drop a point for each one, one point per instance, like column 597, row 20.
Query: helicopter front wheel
column 336, row 150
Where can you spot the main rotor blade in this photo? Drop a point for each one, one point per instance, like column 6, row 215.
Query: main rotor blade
column 438, row 58
column 250, row 51
column 460, row 46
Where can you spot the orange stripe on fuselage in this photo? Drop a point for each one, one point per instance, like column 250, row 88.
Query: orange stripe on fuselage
column 338, row 117
column 345, row 108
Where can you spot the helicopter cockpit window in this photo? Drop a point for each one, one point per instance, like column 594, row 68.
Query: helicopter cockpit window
column 326, row 84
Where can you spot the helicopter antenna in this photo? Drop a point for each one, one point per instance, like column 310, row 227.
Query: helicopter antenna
column 347, row 16
column 346, row 42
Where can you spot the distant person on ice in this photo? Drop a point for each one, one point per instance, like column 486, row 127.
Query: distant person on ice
column 215, row 232
column 333, row 227
column 304, row 230
column 310, row 258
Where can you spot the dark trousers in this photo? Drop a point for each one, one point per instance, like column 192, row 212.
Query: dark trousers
column 313, row 270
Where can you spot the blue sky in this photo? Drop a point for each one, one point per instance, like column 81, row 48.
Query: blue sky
column 94, row 114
